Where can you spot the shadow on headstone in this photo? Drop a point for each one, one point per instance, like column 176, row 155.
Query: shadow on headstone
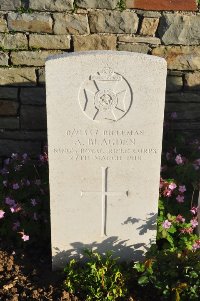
column 118, row 247
column 149, row 224
column 113, row 244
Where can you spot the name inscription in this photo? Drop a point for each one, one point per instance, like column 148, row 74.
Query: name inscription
column 104, row 145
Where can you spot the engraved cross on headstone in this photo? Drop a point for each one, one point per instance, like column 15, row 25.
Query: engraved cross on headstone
column 104, row 194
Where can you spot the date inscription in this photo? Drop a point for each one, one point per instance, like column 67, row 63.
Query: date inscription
column 104, row 145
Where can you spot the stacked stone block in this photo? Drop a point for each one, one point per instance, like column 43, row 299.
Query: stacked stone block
column 32, row 30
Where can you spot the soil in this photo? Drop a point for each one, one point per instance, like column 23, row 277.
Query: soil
column 25, row 274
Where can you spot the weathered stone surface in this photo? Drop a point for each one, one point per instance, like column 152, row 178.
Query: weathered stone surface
column 71, row 24
column 8, row 93
column 180, row 29
column 113, row 22
column 105, row 121
column 149, row 14
column 10, row 4
column 175, row 72
column 8, row 107
column 192, row 81
column 3, row 58
column 35, row 22
column 144, row 40
column 140, row 48
column 10, row 146
column 3, row 24
column 17, row 76
column 13, row 41
column 30, row 58
column 49, row 41
column 180, row 57
column 41, row 76
column 49, row 5
column 33, row 118
column 109, row 4
column 24, row 135
column 10, row 123
column 94, row 42
column 149, row 26
column 35, row 96
column 162, row 4
column 183, row 98
column 174, row 83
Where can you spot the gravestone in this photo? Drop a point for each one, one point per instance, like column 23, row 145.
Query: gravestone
column 105, row 119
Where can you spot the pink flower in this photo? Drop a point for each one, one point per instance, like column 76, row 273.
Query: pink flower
column 15, row 186
column 168, row 193
column 187, row 230
column 161, row 183
column 180, row 199
column 196, row 167
column 33, row 202
column 179, row 159
column 196, row 164
column 168, row 156
column 15, row 208
column 194, row 222
column 25, row 237
column 43, row 158
column 24, row 156
column 180, row 218
column 197, row 161
column 16, row 225
column 182, row 188
column 194, row 210
column 2, row 214
column 196, row 245
column 9, row 201
column 166, row 224
column 14, row 156
column 172, row 186
column 5, row 183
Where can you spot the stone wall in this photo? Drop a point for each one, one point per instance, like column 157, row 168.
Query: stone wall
column 32, row 30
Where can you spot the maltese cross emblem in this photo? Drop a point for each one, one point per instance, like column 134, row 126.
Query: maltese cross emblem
column 105, row 95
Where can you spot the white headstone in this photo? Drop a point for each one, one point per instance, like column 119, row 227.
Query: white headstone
column 105, row 119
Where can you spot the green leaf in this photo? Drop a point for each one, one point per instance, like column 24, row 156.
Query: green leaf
column 143, row 280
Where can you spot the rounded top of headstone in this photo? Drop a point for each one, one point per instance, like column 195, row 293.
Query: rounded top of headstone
column 132, row 55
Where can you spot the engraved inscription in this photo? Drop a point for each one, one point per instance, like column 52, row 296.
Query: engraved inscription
column 105, row 145
column 104, row 194
column 105, row 96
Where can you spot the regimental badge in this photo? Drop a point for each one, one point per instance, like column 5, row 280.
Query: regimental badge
column 105, row 96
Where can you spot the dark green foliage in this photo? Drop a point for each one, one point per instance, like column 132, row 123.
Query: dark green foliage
column 171, row 275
